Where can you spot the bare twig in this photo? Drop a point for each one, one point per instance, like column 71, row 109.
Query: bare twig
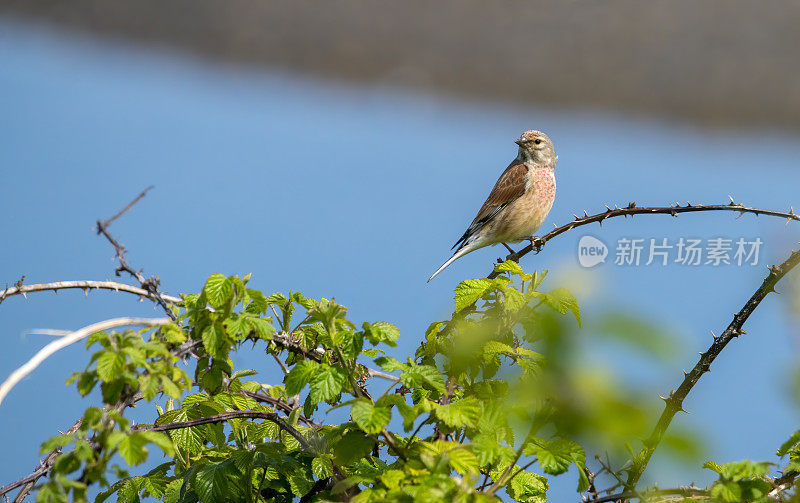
column 85, row 286
column 150, row 284
column 631, row 209
column 106, row 223
column 65, row 341
column 44, row 467
column 674, row 402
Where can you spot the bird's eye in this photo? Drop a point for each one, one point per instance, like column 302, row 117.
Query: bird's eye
column 537, row 141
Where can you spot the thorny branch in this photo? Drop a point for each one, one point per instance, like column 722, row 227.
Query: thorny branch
column 537, row 243
column 86, row 286
column 674, row 402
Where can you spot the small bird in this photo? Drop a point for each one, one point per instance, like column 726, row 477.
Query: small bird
column 519, row 201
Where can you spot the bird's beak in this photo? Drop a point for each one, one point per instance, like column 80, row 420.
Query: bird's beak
column 519, row 142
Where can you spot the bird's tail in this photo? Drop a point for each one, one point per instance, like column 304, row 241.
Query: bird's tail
column 463, row 250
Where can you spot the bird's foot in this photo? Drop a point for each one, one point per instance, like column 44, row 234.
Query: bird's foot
column 537, row 243
column 508, row 248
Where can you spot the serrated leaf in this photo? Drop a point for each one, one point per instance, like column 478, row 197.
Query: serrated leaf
column 423, row 375
column 322, row 467
column 218, row 290
column 463, row 460
column 510, row 267
column 258, row 302
column 170, row 388
column 211, row 483
column 54, row 443
column 459, row 414
column 370, row 418
column 215, row 342
column 327, row 384
column 528, row 487
column 132, row 448
column 300, row 375
column 262, row 328
column 110, row 365
column 789, row 444
column 562, row 301
column 381, row 332
column 354, row 445
column 555, row 456
column 390, row 364
column 470, row 290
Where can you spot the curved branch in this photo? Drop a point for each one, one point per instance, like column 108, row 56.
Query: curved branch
column 241, row 414
column 85, row 286
column 537, row 243
column 65, row 341
column 674, row 403
column 227, row 416
column 686, row 492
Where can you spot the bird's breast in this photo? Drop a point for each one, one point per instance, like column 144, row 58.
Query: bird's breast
column 526, row 214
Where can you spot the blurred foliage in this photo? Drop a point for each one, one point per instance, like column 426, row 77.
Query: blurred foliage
column 496, row 400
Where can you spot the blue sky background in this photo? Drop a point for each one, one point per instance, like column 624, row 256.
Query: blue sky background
column 358, row 193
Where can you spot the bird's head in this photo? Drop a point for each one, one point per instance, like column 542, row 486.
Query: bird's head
column 536, row 147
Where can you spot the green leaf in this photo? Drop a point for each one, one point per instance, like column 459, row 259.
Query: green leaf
column 327, row 383
column 188, row 439
column 169, row 387
column 370, row 418
column 355, row 445
column 132, row 448
column 160, row 439
column 258, row 302
column 470, row 290
column 463, row 461
column 262, row 328
column 459, row 414
column 528, row 487
column 211, row 483
column 390, row 364
column 56, row 442
column 215, row 342
column 729, row 492
column 110, row 365
column 381, row 331
column 513, row 268
column 322, row 467
column 86, row 382
column 555, row 456
column 423, row 376
column 218, row 290
column 787, row 446
column 300, row 375
column 562, row 301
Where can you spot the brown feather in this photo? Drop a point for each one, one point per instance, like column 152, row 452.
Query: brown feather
column 509, row 186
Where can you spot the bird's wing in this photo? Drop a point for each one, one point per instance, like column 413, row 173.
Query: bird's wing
column 509, row 187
